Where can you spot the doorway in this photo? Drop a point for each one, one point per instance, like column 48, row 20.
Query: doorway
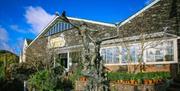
column 63, row 60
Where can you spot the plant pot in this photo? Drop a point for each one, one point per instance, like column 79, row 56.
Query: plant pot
column 124, row 82
column 136, row 82
column 120, row 81
column 150, row 82
column 82, row 79
column 155, row 81
column 132, row 82
column 145, row 81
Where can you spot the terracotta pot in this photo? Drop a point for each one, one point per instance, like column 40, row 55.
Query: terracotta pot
column 124, row 81
column 120, row 81
column 155, row 81
column 145, row 81
column 150, row 81
column 117, row 81
column 82, row 79
column 132, row 82
column 136, row 82
column 129, row 81
column 85, row 79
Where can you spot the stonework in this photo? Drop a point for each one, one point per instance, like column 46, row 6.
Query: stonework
column 152, row 20
column 155, row 18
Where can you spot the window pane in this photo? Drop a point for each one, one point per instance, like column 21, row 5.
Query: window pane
column 103, row 55
column 124, row 55
column 65, row 25
column 162, row 52
column 133, row 56
column 61, row 26
column 169, row 52
column 150, row 55
column 58, row 27
column 116, row 55
column 109, row 55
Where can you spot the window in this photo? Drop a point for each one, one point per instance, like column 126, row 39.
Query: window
column 130, row 54
column 161, row 52
column 60, row 26
column 110, row 55
column 157, row 53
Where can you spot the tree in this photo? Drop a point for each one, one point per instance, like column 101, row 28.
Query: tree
column 93, row 67
column 146, row 34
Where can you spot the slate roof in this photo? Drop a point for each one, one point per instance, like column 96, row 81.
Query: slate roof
column 154, row 19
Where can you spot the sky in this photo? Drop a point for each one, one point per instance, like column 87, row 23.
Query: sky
column 20, row 19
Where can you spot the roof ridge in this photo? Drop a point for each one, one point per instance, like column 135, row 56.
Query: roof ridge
column 92, row 21
column 139, row 12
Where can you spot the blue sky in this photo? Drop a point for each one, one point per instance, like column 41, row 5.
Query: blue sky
column 21, row 19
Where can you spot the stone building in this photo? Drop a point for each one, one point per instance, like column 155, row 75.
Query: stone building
column 156, row 25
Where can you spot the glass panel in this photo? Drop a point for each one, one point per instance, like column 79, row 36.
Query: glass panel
column 109, row 55
column 69, row 26
column 133, row 53
column 62, row 26
column 65, row 26
column 58, row 27
column 55, row 28
column 169, row 52
column 116, row 55
column 124, row 55
column 150, row 55
column 159, row 55
column 162, row 52
column 103, row 55
column 51, row 31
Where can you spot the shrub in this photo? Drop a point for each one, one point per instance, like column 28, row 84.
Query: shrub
column 43, row 80
column 138, row 76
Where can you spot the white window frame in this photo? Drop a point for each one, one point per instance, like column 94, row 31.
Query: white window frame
column 112, row 57
column 144, row 56
column 174, row 51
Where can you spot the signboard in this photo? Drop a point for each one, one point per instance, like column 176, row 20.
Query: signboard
column 56, row 42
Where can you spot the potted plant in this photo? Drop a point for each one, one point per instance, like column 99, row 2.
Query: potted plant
column 133, row 79
column 145, row 78
column 150, row 77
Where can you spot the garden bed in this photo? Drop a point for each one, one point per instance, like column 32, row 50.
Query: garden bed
column 150, row 78
column 121, row 81
column 139, row 87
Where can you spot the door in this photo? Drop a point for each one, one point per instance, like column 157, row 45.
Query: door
column 63, row 58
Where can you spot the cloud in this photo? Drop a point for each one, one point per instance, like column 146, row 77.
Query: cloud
column 38, row 18
column 17, row 29
column 4, row 40
column 3, row 34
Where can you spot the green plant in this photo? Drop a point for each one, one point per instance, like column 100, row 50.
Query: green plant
column 2, row 74
column 43, row 80
column 76, row 74
column 138, row 77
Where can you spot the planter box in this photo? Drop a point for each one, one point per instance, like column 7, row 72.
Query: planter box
column 80, row 85
column 142, row 87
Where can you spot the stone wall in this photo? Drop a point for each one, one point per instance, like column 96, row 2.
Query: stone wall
column 154, row 19
column 127, row 87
